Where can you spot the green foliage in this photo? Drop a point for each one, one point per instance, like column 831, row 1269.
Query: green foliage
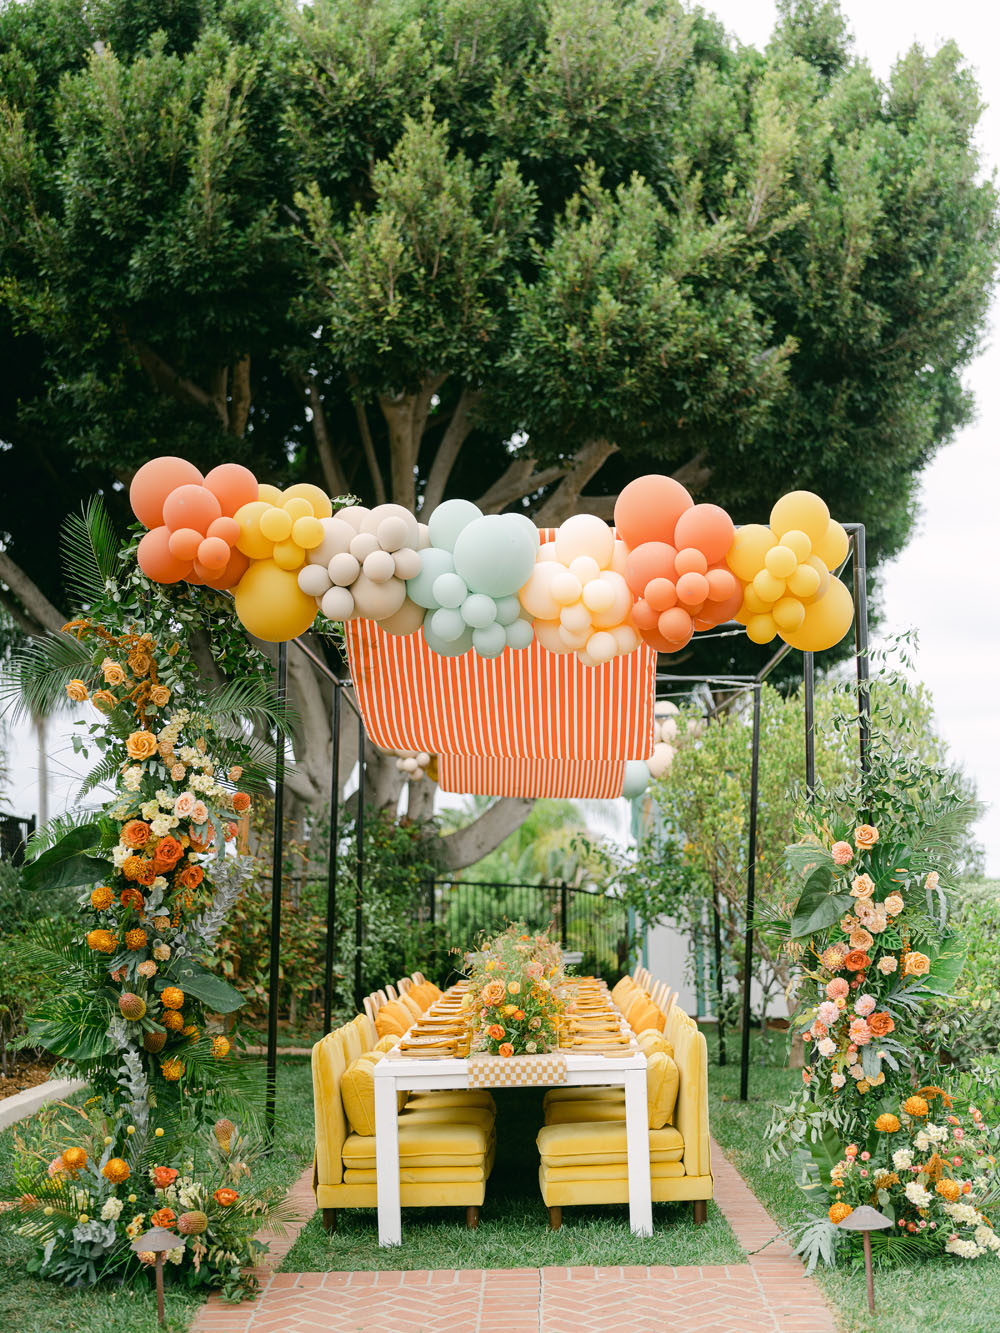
column 965, row 1027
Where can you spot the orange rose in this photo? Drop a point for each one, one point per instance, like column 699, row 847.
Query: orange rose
column 225, row 1197
column 495, row 1032
column 202, row 844
column 168, row 853
column 141, row 745
column 104, row 701
column 505, row 1048
column 135, row 833
column 865, row 835
column 163, row 1176
column 113, row 673
column 140, row 661
column 493, row 992
column 159, row 696
column 132, row 898
column 857, row 960
column 241, row 802
column 190, row 877
column 881, row 1024
column 163, row 1217
column 77, row 691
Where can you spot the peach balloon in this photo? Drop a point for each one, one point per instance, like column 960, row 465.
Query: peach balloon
column 645, row 616
column 547, row 632
column 213, row 555
column 156, row 560
column 661, row 594
column 648, row 508
column 585, row 534
column 190, row 507
column 722, row 585
column 676, row 626
column 536, row 595
column 692, row 589
column 407, row 620
column 226, row 528
column 236, row 567
column 153, row 483
column 184, row 544
column 233, row 485
column 690, row 560
column 652, row 560
column 708, row 528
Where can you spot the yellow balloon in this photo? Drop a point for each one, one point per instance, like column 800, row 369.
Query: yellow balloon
column 802, row 511
column 275, row 525
column 814, row 562
column 767, row 587
column 297, row 507
column 788, row 614
column 832, row 547
column 272, row 494
column 826, row 621
column 288, row 555
column 798, row 542
column 307, row 532
column 750, row 545
column 755, row 605
column 270, row 603
column 804, row 582
column 761, row 629
column 251, row 540
column 319, row 500
column 780, row 561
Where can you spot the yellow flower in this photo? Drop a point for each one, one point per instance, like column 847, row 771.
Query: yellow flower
column 159, row 696
column 77, row 691
column 100, row 899
column 112, row 672
column 141, row 745
column 101, row 941
column 116, row 1170
column 513, row 988
column 838, row 1211
column 915, row 1106
column 916, row 964
column 220, row 1047
column 887, row 1123
column 104, row 701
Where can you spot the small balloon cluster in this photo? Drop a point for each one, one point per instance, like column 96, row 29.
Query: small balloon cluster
column 485, row 583
column 577, row 593
column 786, row 569
column 471, row 570
column 416, row 764
column 667, row 739
column 361, row 564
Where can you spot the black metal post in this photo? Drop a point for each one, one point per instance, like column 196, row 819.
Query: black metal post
column 751, row 886
column 809, row 700
column 861, row 643
column 331, row 869
column 276, row 874
column 359, row 925
column 563, row 911
column 720, row 976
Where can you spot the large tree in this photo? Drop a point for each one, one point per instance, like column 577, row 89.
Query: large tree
column 514, row 250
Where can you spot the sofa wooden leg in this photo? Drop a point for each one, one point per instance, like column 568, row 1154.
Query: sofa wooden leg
column 700, row 1212
column 555, row 1219
column 472, row 1217
column 329, row 1220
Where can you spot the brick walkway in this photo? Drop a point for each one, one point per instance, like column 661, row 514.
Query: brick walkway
column 769, row 1292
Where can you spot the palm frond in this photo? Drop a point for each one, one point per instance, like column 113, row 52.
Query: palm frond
column 249, row 699
column 55, row 830
column 942, row 832
column 39, row 673
column 101, row 772
column 89, row 549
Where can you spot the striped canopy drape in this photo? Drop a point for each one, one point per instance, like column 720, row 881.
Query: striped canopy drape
column 481, row 775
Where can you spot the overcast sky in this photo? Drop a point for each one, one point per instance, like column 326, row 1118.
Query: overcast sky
column 958, row 618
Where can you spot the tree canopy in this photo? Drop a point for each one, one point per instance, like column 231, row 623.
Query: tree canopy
column 506, row 249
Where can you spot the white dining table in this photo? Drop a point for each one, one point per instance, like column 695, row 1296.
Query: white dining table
column 425, row 1073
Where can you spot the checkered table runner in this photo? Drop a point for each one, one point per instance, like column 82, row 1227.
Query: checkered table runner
column 516, row 1071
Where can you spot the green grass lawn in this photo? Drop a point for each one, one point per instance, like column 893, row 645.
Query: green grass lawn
column 946, row 1295
column 513, row 1228
column 33, row 1305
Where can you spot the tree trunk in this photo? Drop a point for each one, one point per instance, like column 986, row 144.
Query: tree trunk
column 41, row 724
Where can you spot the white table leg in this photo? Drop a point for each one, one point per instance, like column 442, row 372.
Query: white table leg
column 390, row 1224
column 640, row 1202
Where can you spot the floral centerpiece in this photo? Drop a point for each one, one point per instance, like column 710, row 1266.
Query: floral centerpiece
column 514, row 992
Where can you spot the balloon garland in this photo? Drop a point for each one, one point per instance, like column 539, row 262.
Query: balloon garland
column 483, row 583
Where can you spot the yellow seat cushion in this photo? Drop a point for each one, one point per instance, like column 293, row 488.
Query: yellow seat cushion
column 652, row 1040
column 350, row 1036
column 612, row 1171
column 623, row 991
column 452, row 1097
column 583, row 1095
column 393, row 1019
column 581, row 1144
column 386, row 1043
column 662, row 1083
column 644, row 1014
column 412, row 1005
column 449, row 1115
column 412, row 1175
column 424, row 993
column 357, row 1090
column 367, row 1029
column 423, row 1145
column 575, row 1112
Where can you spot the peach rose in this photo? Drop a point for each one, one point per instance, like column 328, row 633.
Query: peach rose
column 235, row 773
column 135, row 834
column 493, row 992
column 894, row 904
column 842, row 853
column 112, row 672
column 104, row 701
column 505, row 1048
column 159, row 696
column 190, row 877
column 881, row 1024
column 916, row 964
column 140, row 661
column 184, row 804
column 860, row 939
column 199, row 813
column 887, row 964
column 141, row 745
column 77, row 691
column 932, row 880
column 862, row 886
column 865, row 836
column 177, row 773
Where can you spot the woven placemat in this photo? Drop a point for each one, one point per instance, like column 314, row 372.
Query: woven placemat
column 516, row 1071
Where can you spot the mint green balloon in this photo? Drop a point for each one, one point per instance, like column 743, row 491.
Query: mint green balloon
column 508, row 610
column 520, row 634
column 478, row 610
column 450, row 590
column 433, row 563
column 449, row 520
column 489, row 642
column 454, row 648
column 636, row 778
column 496, row 554
column 447, row 625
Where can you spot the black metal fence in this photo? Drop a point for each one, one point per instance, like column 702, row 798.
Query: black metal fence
column 14, row 833
column 592, row 924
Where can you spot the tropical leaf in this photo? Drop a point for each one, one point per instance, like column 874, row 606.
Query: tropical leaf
column 76, row 1032
column 944, row 973
column 803, row 857
column 68, row 864
column 942, row 831
column 818, row 907
column 52, row 832
column 250, row 699
column 815, row 1239
column 89, row 550
column 102, row 772
column 39, row 673
column 205, row 986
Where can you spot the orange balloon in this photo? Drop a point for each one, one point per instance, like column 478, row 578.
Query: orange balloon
column 213, row 555
column 718, row 612
column 184, row 544
column 233, row 572
column 153, row 483
column 691, row 561
column 708, row 528
column 676, row 626
column 157, row 562
column 227, row 528
column 651, row 560
column 233, row 485
column 661, row 594
column 722, row 585
column 645, row 616
column 648, row 508
column 692, row 589
column 190, row 507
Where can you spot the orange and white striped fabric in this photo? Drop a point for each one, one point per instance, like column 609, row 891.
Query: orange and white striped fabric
column 483, row 775
column 531, row 704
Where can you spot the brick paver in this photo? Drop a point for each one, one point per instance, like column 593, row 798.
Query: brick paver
column 769, row 1293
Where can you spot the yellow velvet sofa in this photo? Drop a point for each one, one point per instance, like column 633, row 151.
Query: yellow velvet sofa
column 447, row 1141
column 582, row 1143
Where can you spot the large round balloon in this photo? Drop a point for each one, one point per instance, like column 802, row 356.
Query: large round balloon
column 826, row 620
column 233, row 485
column 153, row 483
column 636, row 778
column 157, row 561
column 648, row 509
column 496, row 554
column 801, row 511
column 270, row 603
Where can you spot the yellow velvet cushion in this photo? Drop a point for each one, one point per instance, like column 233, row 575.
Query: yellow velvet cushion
column 367, row 1029
column 662, row 1082
column 413, row 1005
column 622, row 991
column 651, row 1040
column 452, row 1097
column 357, row 1091
column 482, row 1116
column 424, row 993
column 581, row 1112
column 592, row 1141
column 393, row 1019
column 386, row 1043
column 583, row 1094
column 424, row 1145
column 350, row 1035
column 644, row 1014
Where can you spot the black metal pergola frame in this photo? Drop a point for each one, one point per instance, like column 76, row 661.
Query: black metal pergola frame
column 742, row 683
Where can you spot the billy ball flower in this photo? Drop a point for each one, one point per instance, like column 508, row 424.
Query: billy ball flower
column 101, row 898
column 172, row 997
column 172, row 1069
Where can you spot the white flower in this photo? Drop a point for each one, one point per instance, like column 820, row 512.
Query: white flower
column 165, row 798
column 160, row 882
column 531, row 1047
column 985, row 1236
column 161, row 951
column 838, row 1080
column 963, row 1212
column 149, row 809
column 112, row 1210
column 902, row 1159
column 936, row 1133
column 826, row 1047
column 200, row 783
column 922, row 1141
column 887, row 964
column 132, row 779
column 917, row 1194
column 856, row 1072
column 175, row 1256
column 119, row 855
column 965, row 1249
